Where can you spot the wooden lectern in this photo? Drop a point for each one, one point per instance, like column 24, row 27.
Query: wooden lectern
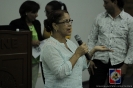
column 15, row 59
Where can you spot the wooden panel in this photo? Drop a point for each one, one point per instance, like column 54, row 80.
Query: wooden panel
column 15, row 59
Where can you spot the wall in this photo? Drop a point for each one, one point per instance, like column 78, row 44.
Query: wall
column 83, row 12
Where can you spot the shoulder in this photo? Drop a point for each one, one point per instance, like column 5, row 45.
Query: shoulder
column 124, row 14
column 50, row 46
column 16, row 21
column 37, row 22
column 100, row 16
column 103, row 14
column 127, row 18
column 49, row 42
column 127, row 15
column 71, row 43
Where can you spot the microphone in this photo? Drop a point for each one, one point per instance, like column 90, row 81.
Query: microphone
column 78, row 39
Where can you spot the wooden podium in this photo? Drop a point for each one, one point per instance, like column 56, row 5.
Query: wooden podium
column 15, row 59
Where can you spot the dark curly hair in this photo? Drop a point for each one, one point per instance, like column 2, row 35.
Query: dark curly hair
column 120, row 3
column 54, row 17
column 28, row 6
column 57, row 5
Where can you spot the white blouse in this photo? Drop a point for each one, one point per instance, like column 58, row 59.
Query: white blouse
column 57, row 68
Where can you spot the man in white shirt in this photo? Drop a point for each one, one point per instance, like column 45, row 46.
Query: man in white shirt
column 113, row 29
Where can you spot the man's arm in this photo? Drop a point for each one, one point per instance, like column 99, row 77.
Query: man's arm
column 93, row 36
column 129, row 57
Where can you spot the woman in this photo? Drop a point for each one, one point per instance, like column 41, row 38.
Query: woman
column 63, row 62
column 52, row 6
column 28, row 12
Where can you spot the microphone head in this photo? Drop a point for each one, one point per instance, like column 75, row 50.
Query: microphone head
column 77, row 38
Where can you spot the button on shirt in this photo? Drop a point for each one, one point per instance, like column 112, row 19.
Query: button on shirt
column 114, row 33
column 57, row 68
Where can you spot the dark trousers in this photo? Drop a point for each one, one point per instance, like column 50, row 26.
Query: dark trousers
column 101, row 74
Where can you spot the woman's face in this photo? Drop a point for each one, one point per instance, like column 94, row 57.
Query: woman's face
column 48, row 10
column 64, row 25
column 31, row 16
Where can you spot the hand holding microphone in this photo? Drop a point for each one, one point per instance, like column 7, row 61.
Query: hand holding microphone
column 81, row 50
column 83, row 45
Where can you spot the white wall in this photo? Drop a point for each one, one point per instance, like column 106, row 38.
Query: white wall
column 9, row 10
column 82, row 12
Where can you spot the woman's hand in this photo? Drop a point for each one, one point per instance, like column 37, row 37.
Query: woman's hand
column 81, row 50
column 124, row 69
column 92, row 67
column 35, row 43
column 102, row 48
column 96, row 48
column 99, row 48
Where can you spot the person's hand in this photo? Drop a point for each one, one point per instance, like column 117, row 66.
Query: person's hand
column 102, row 48
column 124, row 69
column 92, row 67
column 35, row 43
column 81, row 50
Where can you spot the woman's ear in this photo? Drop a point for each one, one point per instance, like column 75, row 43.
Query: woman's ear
column 55, row 26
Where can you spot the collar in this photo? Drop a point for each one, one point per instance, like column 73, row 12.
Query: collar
column 56, row 41
column 121, row 15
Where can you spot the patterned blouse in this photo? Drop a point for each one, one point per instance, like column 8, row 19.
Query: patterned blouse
column 114, row 33
column 58, row 71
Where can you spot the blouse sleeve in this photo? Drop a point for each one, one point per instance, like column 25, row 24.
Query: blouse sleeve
column 59, row 67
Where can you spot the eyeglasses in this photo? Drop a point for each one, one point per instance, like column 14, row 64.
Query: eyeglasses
column 66, row 22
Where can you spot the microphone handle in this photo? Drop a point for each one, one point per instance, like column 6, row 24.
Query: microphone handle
column 80, row 42
column 87, row 54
